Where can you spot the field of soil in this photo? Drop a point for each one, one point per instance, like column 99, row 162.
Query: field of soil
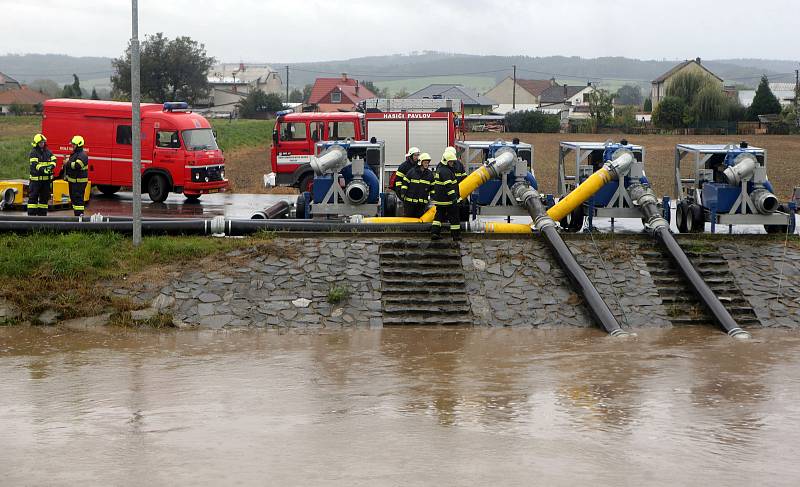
column 783, row 156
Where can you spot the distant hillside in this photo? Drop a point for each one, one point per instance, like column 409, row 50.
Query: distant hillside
column 412, row 71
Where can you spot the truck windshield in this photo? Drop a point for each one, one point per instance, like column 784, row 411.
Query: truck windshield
column 199, row 139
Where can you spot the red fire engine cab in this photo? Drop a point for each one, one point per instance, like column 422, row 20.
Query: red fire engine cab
column 430, row 125
column 179, row 151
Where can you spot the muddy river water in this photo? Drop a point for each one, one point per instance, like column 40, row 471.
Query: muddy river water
column 399, row 407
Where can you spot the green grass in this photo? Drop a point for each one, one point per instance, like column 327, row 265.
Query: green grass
column 234, row 134
column 338, row 294
column 15, row 136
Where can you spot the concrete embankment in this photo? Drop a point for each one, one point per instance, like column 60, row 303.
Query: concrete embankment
column 369, row 281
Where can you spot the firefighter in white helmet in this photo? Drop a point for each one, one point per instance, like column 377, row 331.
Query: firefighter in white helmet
column 411, row 160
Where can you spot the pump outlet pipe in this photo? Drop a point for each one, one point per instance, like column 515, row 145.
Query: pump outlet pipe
column 616, row 168
column 645, row 199
column 278, row 210
column 598, row 309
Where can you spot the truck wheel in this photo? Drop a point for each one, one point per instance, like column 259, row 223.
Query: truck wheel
column 157, row 188
column 695, row 219
column 107, row 189
column 573, row 222
column 680, row 217
column 306, row 183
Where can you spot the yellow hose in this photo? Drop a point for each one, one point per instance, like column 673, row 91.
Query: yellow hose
column 388, row 219
column 465, row 188
column 580, row 194
column 503, row 227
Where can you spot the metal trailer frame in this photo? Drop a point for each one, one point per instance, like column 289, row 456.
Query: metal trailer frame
column 336, row 203
column 621, row 204
column 743, row 211
column 473, row 155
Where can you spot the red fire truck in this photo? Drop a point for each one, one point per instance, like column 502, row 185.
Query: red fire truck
column 179, row 151
column 430, row 125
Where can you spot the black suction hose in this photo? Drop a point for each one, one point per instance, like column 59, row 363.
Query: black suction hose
column 278, row 210
column 647, row 202
column 598, row 309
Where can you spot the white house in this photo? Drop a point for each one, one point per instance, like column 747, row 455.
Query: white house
column 230, row 83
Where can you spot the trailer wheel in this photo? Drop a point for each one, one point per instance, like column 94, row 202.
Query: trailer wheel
column 108, row 190
column 779, row 229
column 573, row 222
column 695, row 219
column 157, row 188
column 300, row 208
column 390, row 207
column 306, row 183
column 680, row 217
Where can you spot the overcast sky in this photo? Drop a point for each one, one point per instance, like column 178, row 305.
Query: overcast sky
column 313, row 30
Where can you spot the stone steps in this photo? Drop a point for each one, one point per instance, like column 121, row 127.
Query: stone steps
column 682, row 305
column 423, row 284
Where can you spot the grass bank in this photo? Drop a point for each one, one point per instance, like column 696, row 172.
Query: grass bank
column 237, row 134
column 75, row 274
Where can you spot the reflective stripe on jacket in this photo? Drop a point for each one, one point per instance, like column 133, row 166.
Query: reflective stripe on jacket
column 445, row 185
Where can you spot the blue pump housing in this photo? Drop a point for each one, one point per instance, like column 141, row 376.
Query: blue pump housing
column 487, row 191
column 322, row 184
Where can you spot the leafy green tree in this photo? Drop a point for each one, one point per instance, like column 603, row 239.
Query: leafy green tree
column 380, row 93
column 686, row 85
column 625, row 116
column 307, row 92
column 601, row 106
column 710, row 105
column 532, row 122
column 73, row 90
column 668, row 114
column 16, row 109
column 629, row 95
column 258, row 104
column 648, row 105
column 94, row 94
column 402, row 93
column 171, row 70
column 764, row 103
column 295, row 96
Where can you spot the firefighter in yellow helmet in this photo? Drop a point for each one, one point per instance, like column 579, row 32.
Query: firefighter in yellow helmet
column 417, row 183
column 43, row 162
column 76, row 173
column 446, row 198
column 461, row 173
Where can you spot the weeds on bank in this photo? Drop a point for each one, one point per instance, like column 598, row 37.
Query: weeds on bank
column 124, row 319
column 338, row 294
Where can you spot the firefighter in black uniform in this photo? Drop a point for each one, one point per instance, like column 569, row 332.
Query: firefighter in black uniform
column 43, row 162
column 417, row 184
column 461, row 173
column 446, row 198
column 412, row 158
column 76, row 173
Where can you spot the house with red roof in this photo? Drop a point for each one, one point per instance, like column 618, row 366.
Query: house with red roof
column 337, row 94
column 28, row 100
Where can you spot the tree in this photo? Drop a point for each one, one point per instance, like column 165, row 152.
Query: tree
column 629, row 95
column 94, row 94
column 601, row 106
column 648, row 105
column 687, row 85
column 532, row 122
column 171, row 70
column 625, row 116
column 380, row 93
column 73, row 90
column 402, row 93
column 296, row 96
column 668, row 114
column 764, row 103
column 257, row 102
column 710, row 105
column 45, row 86
column 307, row 93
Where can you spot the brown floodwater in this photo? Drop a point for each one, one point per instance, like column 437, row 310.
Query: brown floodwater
column 399, row 407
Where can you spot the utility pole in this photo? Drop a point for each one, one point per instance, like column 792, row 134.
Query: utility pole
column 136, row 129
column 514, row 90
column 796, row 86
column 287, row 83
